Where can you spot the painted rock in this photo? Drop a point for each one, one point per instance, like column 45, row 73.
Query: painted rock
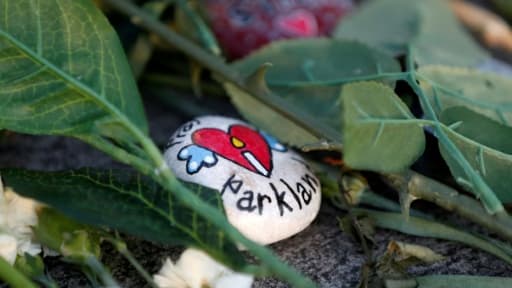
column 245, row 25
column 269, row 192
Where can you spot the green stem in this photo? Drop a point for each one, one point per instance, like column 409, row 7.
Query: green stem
column 13, row 277
column 448, row 198
column 47, row 282
column 375, row 200
column 489, row 198
column 118, row 153
column 123, row 250
column 204, row 32
column 106, row 278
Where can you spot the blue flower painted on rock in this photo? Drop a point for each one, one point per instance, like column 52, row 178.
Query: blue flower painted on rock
column 196, row 158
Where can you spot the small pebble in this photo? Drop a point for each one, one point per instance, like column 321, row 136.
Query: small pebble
column 269, row 191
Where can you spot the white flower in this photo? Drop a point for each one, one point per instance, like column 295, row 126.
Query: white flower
column 195, row 269
column 8, row 248
column 17, row 216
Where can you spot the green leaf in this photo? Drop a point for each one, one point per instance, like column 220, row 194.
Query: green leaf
column 482, row 92
column 427, row 228
column 485, row 143
column 380, row 132
column 63, row 71
column 133, row 205
column 308, row 83
column 429, row 25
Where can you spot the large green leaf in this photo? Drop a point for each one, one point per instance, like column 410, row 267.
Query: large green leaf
column 309, row 82
column 380, row 132
column 428, row 24
column 63, row 71
column 487, row 146
column 483, row 92
column 128, row 203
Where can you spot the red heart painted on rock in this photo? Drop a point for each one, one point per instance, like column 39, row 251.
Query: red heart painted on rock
column 241, row 145
column 298, row 23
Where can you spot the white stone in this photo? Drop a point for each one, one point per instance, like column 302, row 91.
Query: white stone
column 269, row 192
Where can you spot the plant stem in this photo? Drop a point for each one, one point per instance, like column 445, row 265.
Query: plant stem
column 375, row 200
column 118, row 153
column 123, row 250
column 203, row 31
column 450, row 199
column 95, row 265
column 13, row 277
